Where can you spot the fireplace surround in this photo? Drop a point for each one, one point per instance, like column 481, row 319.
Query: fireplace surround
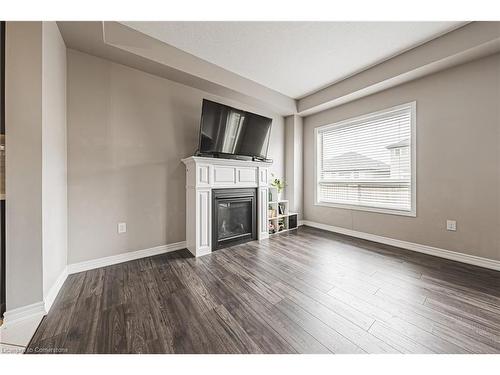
column 208, row 176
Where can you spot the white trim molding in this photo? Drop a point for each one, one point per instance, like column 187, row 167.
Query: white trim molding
column 435, row 251
column 124, row 257
column 49, row 299
column 36, row 309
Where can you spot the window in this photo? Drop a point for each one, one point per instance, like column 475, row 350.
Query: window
column 368, row 163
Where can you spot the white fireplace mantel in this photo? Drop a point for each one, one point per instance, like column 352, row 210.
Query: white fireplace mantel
column 204, row 174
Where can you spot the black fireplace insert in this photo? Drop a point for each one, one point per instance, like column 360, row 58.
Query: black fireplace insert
column 234, row 217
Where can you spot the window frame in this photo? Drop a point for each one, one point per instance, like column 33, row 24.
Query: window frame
column 413, row 163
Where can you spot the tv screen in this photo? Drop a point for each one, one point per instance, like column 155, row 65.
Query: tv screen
column 230, row 131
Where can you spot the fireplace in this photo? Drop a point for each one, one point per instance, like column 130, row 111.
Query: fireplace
column 234, row 217
column 211, row 183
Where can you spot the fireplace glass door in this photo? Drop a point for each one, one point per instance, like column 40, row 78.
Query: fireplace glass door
column 234, row 216
column 234, row 219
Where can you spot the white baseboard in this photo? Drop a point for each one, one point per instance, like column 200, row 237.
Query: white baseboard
column 13, row 316
column 442, row 253
column 124, row 257
column 54, row 290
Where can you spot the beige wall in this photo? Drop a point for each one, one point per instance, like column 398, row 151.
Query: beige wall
column 54, row 183
column 23, row 119
column 127, row 132
column 458, row 161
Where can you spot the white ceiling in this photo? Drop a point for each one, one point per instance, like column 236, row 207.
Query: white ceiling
column 294, row 58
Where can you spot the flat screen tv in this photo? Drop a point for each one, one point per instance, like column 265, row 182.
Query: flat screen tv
column 229, row 132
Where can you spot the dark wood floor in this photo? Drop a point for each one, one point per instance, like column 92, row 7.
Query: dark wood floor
column 308, row 291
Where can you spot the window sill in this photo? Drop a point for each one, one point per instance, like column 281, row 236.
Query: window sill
column 389, row 211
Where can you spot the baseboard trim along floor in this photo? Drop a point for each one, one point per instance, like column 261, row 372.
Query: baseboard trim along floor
column 23, row 312
column 442, row 253
column 124, row 257
column 20, row 332
column 19, row 327
column 49, row 299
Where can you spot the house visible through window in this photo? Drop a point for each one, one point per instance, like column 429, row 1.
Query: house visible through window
column 367, row 162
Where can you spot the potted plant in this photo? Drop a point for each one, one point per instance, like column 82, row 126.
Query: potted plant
column 279, row 184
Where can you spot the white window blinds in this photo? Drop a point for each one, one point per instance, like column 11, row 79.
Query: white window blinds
column 366, row 162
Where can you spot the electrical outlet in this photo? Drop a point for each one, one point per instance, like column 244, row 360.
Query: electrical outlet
column 451, row 225
column 122, row 228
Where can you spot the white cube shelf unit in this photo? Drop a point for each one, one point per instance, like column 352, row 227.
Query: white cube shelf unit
column 279, row 214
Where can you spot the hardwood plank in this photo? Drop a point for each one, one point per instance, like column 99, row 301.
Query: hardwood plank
column 386, row 309
column 232, row 331
column 339, row 323
column 327, row 336
column 261, row 333
column 398, row 340
column 297, row 337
